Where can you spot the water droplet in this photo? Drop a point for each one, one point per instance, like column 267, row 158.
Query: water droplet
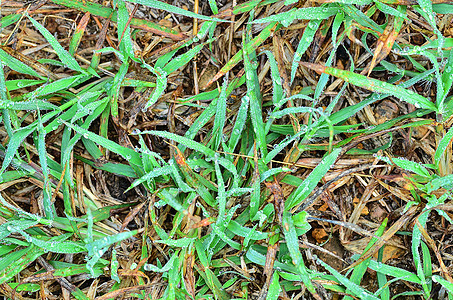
column 136, row 131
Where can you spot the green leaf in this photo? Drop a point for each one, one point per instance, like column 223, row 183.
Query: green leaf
column 307, row 13
column 274, row 288
column 376, row 86
column 174, row 9
column 64, row 55
column 308, row 185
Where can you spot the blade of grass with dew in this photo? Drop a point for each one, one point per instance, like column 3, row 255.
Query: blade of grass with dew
column 97, row 248
column 359, row 270
column 284, row 143
column 58, row 85
column 185, row 58
column 109, row 13
column 304, row 43
column 124, row 31
column 33, row 105
column 55, row 245
column 64, row 56
column 13, row 85
column 241, row 118
column 357, row 290
column 306, row 13
column 254, row 95
column 301, row 193
column 114, row 90
column 13, row 145
column 427, row 264
column 174, row 9
column 14, row 262
column 67, row 147
column 220, row 117
column 161, row 84
column 274, row 288
column 78, row 34
column 277, row 89
column 446, row 284
column 368, row 24
column 447, row 75
column 49, row 209
column 249, row 47
column 394, row 272
column 375, row 85
column 426, row 11
column 383, row 290
column 388, row 10
column 442, row 147
column 129, row 154
column 292, row 242
column 17, row 65
column 407, row 165
column 416, row 241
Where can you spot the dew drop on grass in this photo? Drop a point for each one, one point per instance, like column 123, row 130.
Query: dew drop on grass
column 136, row 131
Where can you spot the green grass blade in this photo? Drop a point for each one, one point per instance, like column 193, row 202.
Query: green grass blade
column 65, row 57
column 292, row 242
column 442, row 147
column 359, row 270
column 129, row 154
column 446, row 284
column 307, row 13
column 220, row 117
column 78, row 34
column 376, row 86
column 274, row 288
column 174, row 9
column 124, row 31
column 239, row 124
column 15, row 262
column 17, row 65
column 254, row 95
column 309, row 184
column 304, row 43
column 357, row 290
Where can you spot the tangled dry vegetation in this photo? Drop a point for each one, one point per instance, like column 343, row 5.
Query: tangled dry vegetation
column 226, row 149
